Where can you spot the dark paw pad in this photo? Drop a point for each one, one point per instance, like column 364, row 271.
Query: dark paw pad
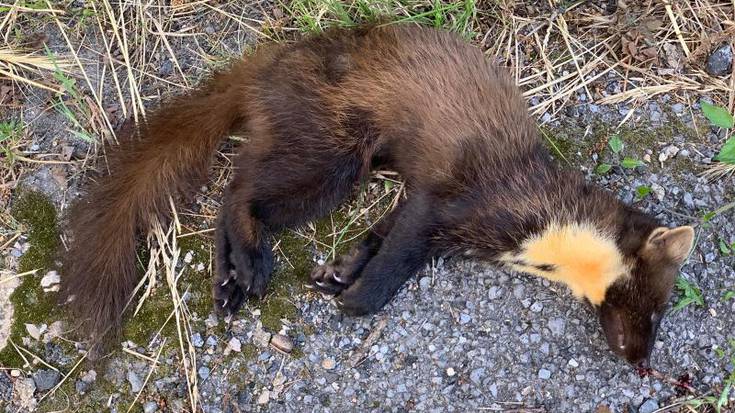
column 329, row 279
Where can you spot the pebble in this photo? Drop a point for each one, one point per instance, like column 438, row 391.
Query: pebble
column 464, row 318
column 234, row 344
column 537, row 307
column 135, row 383
column 282, row 343
column 203, row 372
column 264, row 397
column 46, row 379
column 677, row 107
column 658, row 191
column 81, row 386
column 668, row 153
column 261, row 338
column 197, row 340
column 51, row 278
column 90, row 376
column 648, row 406
column 557, row 326
column 688, row 200
column 328, row 364
column 34, row 331
column 451, row 372
column 23, row 390
column 544, row 374
column 212, row 321
column 719, row 63
column 519, row 292
column 150, row 407
column 476, row 375
column 425, row 283
column 494, row 292
column 573, row 363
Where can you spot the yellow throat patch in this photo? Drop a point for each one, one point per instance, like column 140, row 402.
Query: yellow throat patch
column 578, row 255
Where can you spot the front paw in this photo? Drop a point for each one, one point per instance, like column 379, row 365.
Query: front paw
column 356, row 302
column 328, row 279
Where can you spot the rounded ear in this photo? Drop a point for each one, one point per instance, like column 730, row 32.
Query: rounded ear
column 672, row 243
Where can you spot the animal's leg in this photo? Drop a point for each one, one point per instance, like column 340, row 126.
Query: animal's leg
column 402, row 253
column 259, row 202
column 338, row 274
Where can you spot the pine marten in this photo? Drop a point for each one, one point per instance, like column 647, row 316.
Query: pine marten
column 319, row 114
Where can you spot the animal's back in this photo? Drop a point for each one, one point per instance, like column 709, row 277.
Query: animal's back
column 424, row 95
column 433, row 95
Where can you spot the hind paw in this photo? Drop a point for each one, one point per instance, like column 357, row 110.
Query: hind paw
column 243, row 271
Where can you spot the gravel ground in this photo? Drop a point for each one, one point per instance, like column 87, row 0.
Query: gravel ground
column 461, row 336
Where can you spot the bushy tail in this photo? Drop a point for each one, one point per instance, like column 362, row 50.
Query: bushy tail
column 171, row 157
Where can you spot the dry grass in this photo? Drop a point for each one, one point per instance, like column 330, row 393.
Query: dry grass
column 557, row 51
column 651, row 47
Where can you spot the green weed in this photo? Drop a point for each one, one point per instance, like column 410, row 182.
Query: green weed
column 317, row 15
column 689, row 294
column 10, row 133
column 615, row 142
column 75, row 99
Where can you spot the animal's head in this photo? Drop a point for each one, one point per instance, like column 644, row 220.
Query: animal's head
column 634, row 305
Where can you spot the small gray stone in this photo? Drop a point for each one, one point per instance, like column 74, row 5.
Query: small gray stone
column 537, row 306
column 476, row 375
column 81, row 386
column 688, row 200
column 134, row 380
column 493, row 389
column 494, row 292
column 544, row 374
column 464, row 318
column 46, row 379
column 519, row 292
column 197, row 340
column 649, row 406
column 150, row 407
column 211, row 321
column 677, row 107
column 23, row 390
column 203, row 372
column 261, row 338
column 719, row 63
column 557, row 326
column 425, row 283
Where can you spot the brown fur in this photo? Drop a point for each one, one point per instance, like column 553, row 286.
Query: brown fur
column 320, row 114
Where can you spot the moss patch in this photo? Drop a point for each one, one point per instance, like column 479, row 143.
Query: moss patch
column 332, row 236
column 291, row 272
column 158, row 306
column 199, row 283
column 566, row 143
column 31, row 304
